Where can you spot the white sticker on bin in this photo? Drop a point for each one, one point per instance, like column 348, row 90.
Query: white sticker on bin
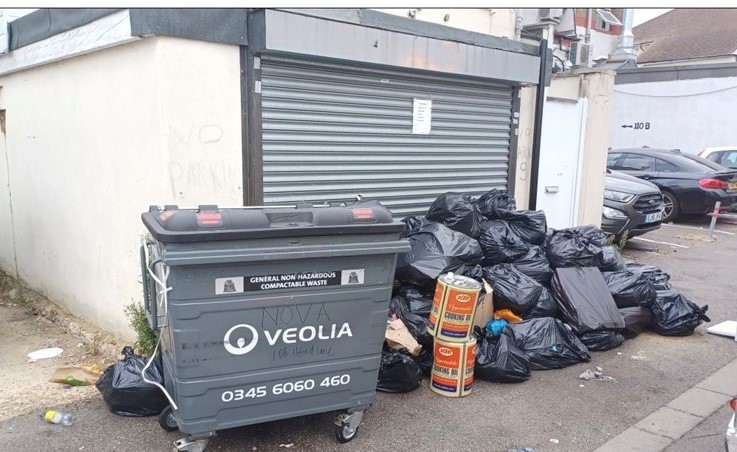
column 240, row 284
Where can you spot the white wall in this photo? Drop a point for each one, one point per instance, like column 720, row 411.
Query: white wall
column 92, row 141
column 7, row 247
column 497, row 22
column 684, row 114
column 524, row 146
column 597, row 88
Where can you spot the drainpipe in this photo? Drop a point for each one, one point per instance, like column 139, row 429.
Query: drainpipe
column 587, row 38
column 517, row 25
column 537, row 134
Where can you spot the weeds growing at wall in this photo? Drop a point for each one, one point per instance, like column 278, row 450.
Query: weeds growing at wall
column 146, row 337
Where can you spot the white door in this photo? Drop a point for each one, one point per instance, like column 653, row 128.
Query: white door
column 560, row 156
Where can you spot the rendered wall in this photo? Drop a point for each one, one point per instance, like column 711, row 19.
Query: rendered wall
column 91, row 142
column 689, row 115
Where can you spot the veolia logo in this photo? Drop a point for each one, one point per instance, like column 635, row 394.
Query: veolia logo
column 445, row 351
column 240, row 348
column 306, row 333
column 463, row 298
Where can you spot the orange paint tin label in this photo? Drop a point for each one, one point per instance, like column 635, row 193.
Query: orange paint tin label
column 453, row 307
column 452, row 369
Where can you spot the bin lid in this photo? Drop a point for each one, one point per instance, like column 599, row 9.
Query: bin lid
column 210, row 223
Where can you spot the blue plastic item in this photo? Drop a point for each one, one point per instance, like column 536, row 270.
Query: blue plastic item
column 495, row 327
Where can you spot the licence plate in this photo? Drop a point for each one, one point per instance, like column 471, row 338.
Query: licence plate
column 733, row 185
column 653, row 217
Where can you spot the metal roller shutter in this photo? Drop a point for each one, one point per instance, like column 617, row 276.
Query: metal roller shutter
column 333, row 131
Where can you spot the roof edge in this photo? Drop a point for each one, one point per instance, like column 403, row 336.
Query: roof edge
column 670, row 73
column 385, row 21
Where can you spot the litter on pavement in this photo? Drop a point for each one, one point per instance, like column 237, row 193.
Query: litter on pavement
column 83, row 375
column 45, row 353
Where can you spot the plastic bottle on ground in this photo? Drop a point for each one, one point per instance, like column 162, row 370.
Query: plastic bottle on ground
column 57, row 417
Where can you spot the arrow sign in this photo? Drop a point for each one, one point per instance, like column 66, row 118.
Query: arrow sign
column 625, row 126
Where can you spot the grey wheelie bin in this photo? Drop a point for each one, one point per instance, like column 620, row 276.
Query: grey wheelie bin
column 268, row 313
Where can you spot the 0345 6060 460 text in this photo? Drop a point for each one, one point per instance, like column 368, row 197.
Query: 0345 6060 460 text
column 289, row 387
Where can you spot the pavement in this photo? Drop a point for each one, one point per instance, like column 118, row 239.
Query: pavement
column 669, row 394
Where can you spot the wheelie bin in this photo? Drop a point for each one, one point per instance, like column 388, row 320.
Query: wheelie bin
column 268, row 313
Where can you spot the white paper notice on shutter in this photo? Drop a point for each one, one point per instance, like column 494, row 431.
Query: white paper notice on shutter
column 421, row 116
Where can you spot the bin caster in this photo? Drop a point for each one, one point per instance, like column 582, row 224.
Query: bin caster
column 347, row 425
column 190, row 444
column 167, row 421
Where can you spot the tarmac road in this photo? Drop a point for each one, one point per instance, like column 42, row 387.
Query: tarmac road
column 651, row 370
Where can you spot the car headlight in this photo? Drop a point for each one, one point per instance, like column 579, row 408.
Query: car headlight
column 618, row 196
column 613, row 214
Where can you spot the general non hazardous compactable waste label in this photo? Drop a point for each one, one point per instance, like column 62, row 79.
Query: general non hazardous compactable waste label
column 240, row 284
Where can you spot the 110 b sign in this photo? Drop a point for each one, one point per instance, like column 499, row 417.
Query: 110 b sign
column 637, row 126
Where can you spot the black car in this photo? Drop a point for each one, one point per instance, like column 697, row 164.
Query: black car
column 631, row 205
column 690, row 185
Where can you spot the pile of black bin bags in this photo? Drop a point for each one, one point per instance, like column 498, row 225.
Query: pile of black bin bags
column 574, row 292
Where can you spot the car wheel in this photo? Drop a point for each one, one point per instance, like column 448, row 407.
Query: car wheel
column 671, row 208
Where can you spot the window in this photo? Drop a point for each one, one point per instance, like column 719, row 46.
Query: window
column 637, row 162
column 729, row 159
column 662, row 166
column 612, row 158
column 714, row 156
column 605, row 19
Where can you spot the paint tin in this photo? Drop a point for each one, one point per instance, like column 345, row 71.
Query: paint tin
column 453, row 307
column 452, row 367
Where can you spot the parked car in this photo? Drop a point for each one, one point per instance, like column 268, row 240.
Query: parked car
column 690, row 185
column 725, row 155
column 631, row 205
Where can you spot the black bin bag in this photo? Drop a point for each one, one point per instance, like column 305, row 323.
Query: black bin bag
column 436, row 249
column 458, row 212
column 636, row 320
column 599, row 341
column 499, row 359
column 124, row 391
column 425, row 360
column 577, row 247
column 412, row 305
column 611, row 259
column 500, row 244
column 530, row 225
column 494, row 201
column 548, row 342
column 518, row 292
column 398, row 372
column 630, row 289
column 535, row 265
column 675, row 315
column 584, row 300
column 413, row 223
column 659, row 278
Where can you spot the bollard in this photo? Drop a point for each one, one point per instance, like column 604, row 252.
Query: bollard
column 714, row 216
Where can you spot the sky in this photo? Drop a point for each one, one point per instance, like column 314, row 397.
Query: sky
column 644, row 14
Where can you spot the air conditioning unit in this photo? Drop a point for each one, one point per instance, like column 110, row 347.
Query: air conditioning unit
column 549, row 14
column 580, row 54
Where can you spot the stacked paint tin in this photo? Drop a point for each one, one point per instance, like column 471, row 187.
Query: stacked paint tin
column 450, row 324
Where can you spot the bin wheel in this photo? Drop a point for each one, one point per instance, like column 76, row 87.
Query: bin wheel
column 167, row 421
column 345, row 433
